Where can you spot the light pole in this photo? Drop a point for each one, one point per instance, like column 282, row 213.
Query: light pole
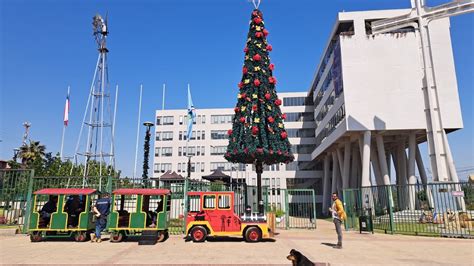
column 146, row 151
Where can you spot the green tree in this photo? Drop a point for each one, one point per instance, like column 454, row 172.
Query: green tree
column 258, row 134
column 32, row 151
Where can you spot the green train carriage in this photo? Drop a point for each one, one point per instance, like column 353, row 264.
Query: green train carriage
column 62, row 212
column 137, row 210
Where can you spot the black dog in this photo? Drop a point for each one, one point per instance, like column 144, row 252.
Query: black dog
column 299, row 259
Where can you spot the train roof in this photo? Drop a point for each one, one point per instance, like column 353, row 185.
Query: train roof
column 198, row 193
column 141, row 191
column 65, row 191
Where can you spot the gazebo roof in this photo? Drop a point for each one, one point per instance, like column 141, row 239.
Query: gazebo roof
column 217, row 175
column 168, row 175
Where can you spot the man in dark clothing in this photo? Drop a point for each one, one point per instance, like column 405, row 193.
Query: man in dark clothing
column 73, row 208
column 48, row 208
column 101, row 210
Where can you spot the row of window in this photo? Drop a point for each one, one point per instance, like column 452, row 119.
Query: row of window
column 303, row 166
column 196, row 134
column 331, row 125
column 221, row 119
column 163, row 151
column 191, row 151
column 300, row 133
column 297, row 101
column 219, row 134
column 164, row 135
column 333, row 46
column 195, row 167
column 299, row 117
column 226, row 166
column 303, row 148
column 162, row 167
column 218, row 150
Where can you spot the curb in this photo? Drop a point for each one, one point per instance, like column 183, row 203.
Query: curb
column 8, row 232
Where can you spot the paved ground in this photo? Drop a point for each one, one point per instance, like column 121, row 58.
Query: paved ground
column 358, row 249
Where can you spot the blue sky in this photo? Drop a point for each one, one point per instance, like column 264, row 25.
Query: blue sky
column 47, row 45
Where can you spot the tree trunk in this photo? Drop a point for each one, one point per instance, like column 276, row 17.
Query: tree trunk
column 259, row 170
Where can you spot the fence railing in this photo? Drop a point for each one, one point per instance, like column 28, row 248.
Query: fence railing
column 436, row 209
column 294, row 208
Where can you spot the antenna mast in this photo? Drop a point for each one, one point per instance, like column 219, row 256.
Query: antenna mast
column 98, row 111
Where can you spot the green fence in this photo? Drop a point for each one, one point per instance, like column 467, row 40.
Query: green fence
column 437, row 209
column 294, row 208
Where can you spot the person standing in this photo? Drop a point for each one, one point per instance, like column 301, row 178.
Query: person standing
column 338, row 216
column 101, row 211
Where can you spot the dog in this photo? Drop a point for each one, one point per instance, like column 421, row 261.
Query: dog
column 299, row 259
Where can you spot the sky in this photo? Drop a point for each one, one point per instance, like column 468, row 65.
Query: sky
column 46, row 46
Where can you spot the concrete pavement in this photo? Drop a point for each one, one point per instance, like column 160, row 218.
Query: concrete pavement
column 358, row 249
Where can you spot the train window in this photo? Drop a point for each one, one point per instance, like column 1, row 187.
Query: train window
column 124, row 205
column 45, row 206
column 194, row 202
column 75, row 204
column 209, row 202
column 224, row 202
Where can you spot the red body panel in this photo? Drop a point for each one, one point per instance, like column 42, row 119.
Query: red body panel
column 141, row 191
column 65, row 191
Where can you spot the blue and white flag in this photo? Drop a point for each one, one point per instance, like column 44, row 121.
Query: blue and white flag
column 191, row 115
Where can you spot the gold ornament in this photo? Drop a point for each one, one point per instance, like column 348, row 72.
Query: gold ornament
column 256, row 120
column 280, row 125
column 256, row 68
column 258, row 28
column 247, row 81
column 264, row 71
column 269, row 107
column 259, row 45
column 239, row 96
column 246, row 57
column 254, row 96
column 243, row 108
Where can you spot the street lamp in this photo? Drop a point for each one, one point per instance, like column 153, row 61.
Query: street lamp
column 146, row 151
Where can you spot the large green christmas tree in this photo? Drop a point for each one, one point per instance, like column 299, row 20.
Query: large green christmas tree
column 258, row 135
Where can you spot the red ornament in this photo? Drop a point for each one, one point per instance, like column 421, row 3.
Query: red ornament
column 254, row 107
column 269, row 48
column 237, row 109
column 243, row 95
column 255, row 13
column 256, row 82
column 278, row 102
column 270, row 151
column 268, row 96
column 279, row 152
column 257, row 20
column 272, row 80
column 246, row 150
column 283, row 116
column 254, row 130
column 244, row 70
column 246, row 49
column 260, row 150
column 271, row 119
column 283, row 135
column 248, row 99
column 265, row 32
column 229, row 132
column 242, row 119
column 241, row 85
column 257, row 57
column 258, row 34
column 271, row 67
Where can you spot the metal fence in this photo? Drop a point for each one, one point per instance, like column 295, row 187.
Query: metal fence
column 437, row 209
column 294, row 208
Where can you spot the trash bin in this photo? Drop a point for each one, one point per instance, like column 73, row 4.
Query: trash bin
column 365, row 224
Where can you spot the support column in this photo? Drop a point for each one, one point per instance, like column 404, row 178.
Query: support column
column 376, row 166
column 335, row 172
column 340, row 160
column 423, row 176
column 347, row 165
column 402, row 168
column 411, row 170
column 326, row 183
column 355, row 163
column 382, row 160
column 366, row 159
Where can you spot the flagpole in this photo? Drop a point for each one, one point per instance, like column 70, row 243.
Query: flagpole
column 64, row 128
column 138, row 130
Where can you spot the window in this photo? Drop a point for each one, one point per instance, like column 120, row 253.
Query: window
column 162, row 167
column 180, row 119
column 303, row 148
column 297, row 101
column 300, row 133
column 180, row 151
column 180, row 135
column 218, row 150
column 194, row 203
column 157, row 151
column 209, row 202
column 164, row 120
column 221, row 119
column 203, row 136
column 164, row 136
column 202, row 167
column 167, row 151
column 299, row 117
column 203, row 120
column 226, row 166
column 223, row 202
column 218, row 134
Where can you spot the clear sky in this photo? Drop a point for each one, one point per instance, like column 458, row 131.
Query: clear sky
column 47, row 45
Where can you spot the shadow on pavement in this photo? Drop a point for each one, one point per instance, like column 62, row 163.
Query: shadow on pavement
column 328, row 244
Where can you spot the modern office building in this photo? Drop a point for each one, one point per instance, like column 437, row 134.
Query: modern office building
column 369, row 103
column 209, row 141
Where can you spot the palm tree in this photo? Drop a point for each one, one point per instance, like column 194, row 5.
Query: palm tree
column 32, row 151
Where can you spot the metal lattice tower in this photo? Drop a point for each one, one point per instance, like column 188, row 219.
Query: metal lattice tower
column 98, row 145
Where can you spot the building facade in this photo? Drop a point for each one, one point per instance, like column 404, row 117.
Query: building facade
column 369, row 106
column 209, row 141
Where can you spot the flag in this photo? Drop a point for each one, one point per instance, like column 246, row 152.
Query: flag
column 66, row 110
column 191, row 115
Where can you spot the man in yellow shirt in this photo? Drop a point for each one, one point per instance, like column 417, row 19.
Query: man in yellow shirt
column 338, row 216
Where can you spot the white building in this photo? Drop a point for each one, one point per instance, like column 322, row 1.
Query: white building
column 369, row 102
column 209, row 144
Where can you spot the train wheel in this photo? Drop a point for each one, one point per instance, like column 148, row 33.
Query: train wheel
column 36, row 236
column 163, row 235
column 116, row 237
column 80, row 236
column 198, row 234
column 253, row 234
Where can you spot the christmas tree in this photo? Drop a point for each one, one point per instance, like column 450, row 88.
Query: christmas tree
column 258, row 135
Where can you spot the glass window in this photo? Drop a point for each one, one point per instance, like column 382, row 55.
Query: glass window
column 180, row 119
column 218, row 150
column 203, row 137
column 203, row 120
column 209, row 202
column 168, row 120
column 157, row 151
column 202, row 167
column 218, row 134
column 221, row 119
column 223, row 202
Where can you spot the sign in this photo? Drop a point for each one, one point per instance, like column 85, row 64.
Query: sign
column 457, row 193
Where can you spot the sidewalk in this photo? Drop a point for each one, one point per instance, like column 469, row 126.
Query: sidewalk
column 358, row 249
